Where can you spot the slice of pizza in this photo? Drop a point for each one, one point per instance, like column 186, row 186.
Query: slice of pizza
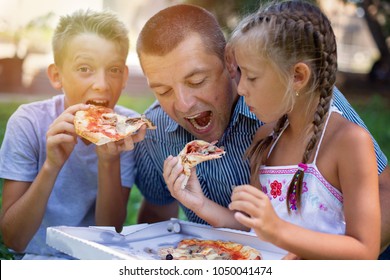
column 101, row 125
column 195, row 152
column 196, row 249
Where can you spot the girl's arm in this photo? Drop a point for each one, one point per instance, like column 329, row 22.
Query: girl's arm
column 357, row 172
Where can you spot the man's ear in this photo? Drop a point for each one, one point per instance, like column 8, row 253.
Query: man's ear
column 302, row 74
column 230, row 61
column 54, row 76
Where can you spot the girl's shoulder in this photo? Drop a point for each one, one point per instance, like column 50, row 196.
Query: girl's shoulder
column 346, row 135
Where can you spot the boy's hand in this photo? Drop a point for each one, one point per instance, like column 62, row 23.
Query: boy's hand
column 61, row 137
column 192, row 195
column 112, row 150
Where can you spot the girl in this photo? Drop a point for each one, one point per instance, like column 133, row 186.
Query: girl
column 315, row 175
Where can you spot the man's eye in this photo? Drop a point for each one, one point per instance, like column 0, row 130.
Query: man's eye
column 196, row 83
column 251, row 79
column 163, row 92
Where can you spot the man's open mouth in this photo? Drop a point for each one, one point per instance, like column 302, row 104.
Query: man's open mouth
column 103, row 103
column 201, row 121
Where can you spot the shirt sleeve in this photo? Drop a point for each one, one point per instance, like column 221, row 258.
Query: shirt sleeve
column 349, row 113
column 18, row 154
column 128, row 169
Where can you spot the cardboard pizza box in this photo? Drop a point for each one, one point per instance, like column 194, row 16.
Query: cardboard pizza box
column 143, row 241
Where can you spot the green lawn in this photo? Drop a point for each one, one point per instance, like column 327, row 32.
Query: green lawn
column 375, row 112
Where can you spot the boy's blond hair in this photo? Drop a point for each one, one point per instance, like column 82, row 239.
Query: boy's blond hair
column 103, row 23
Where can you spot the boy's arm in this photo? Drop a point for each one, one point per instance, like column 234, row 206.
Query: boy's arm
column 152, row 213
column 24, row 205
column 112, row 196
column 111, row 200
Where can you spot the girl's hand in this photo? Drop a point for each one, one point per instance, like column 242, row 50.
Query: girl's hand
column 61, row 137
column 255, row 211
column 192, row 195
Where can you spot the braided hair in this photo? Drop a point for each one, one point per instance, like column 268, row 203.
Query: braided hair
column 286, row 33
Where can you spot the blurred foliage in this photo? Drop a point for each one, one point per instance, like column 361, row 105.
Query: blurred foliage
column 229, row 12
column 32, row 37
column 380, row 9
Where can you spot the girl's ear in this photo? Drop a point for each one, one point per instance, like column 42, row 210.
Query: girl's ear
column 231, row 63
column 54, row 76
column 302, row 74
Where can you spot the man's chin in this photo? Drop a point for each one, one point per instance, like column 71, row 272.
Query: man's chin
column 208, row 136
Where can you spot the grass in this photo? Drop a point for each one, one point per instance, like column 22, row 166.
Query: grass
column 375, row 112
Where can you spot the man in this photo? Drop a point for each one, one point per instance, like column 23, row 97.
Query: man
column 183, row 54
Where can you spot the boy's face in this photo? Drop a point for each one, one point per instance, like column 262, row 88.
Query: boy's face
column 93, row 71
column 193, row 87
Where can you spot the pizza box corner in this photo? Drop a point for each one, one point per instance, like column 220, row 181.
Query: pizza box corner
column 144, row 240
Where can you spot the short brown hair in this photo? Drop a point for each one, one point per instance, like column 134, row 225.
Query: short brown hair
column 169, row 27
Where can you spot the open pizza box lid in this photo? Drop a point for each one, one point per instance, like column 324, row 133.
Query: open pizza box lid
column 143, row 241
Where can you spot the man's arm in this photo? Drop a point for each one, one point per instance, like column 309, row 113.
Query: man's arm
column 384, row 196
column 152, row 213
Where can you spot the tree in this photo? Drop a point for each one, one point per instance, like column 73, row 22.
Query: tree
column 377, row 16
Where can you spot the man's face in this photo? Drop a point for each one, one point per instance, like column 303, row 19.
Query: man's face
column 93, row 71
column 193, row 87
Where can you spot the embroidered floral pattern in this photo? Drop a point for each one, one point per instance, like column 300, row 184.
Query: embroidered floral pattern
column 276, row 189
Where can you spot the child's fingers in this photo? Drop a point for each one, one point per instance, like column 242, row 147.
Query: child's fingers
column 128, row 143
column 140, row 135
column 247, row 191
column 244, row 219
column 170, row 169
column 60, row 128
column 77, row 107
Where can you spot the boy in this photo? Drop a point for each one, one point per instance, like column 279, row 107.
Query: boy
column 51, row 177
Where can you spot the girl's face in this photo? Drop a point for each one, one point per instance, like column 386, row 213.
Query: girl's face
column 261, row 85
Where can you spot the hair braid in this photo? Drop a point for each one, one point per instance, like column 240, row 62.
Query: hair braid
column 257, row 149
column 325, row 51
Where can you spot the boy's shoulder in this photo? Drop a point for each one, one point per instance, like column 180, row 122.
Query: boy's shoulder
column 125, row 111
column 45, row 107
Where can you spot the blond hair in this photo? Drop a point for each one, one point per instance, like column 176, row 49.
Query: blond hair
column 104, row 23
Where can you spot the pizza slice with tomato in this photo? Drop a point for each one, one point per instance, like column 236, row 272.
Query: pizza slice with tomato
column 101, row 125
column 195, row 152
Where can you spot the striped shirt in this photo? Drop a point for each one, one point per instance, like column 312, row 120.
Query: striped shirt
column 216, row 176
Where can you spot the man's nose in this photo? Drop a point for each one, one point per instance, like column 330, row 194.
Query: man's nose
column 185, row 99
